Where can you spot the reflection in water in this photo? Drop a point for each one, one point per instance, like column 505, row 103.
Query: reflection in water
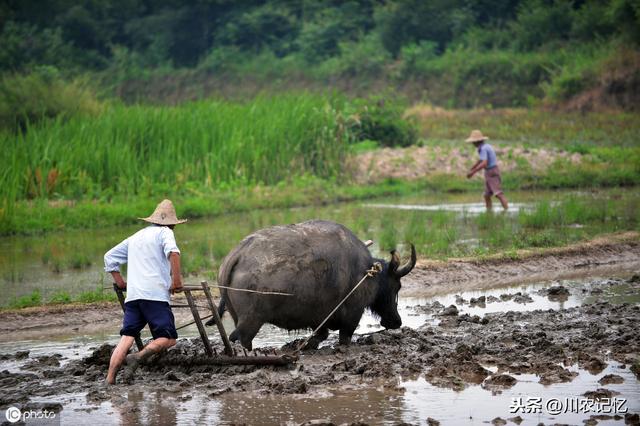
column 475, row 405
column 410, row 400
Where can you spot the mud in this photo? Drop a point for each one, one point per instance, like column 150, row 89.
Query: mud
column 454, row 351
column 473, row 343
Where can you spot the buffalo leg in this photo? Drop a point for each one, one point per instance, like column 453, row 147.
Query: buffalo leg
column 318, row 338
column 245, row 332
column 345, row 336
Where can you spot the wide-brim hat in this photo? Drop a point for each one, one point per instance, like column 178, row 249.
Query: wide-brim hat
column 164, row 214
column 476, row 136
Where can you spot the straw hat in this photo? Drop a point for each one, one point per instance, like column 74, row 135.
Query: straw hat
column 165, row 214
column 476, row 136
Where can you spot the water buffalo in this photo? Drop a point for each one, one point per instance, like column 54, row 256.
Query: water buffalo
column 318, row 262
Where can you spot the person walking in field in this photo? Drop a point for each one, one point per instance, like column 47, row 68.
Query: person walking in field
column 153, row 260
column 488, row 162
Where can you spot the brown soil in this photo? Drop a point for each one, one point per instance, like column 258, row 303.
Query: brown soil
column 417, row 162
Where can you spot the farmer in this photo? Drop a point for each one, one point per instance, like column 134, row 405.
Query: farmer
column 488, row 162
column 153, row 272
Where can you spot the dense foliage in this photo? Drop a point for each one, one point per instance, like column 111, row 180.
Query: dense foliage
column 462, row 51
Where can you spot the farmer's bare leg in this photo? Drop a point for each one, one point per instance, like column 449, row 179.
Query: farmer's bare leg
column 487, row 201
column 503, row 201
column 118, row 356
column 156, row 346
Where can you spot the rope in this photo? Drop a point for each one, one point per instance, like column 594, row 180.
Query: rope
column 373, row 271
column 193, row 322
column 254, row 291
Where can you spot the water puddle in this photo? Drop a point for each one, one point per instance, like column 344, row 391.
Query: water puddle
column 462, row 208
column 411, row 400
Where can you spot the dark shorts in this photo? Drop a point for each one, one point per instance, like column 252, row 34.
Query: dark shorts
column 138, row 313
column 492, row 181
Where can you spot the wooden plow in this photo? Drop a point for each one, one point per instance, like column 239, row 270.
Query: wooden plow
column 229, row 356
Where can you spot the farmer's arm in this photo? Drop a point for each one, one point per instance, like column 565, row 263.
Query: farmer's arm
column 114, row 258
column 176, row 276
column 172, row 252
column 117, row 278
column 480, row 164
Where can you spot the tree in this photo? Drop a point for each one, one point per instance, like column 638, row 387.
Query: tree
column 411, row 21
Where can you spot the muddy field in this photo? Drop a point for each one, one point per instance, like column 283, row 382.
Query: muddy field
column 465, row 358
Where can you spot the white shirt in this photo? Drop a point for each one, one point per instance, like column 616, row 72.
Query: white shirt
column 147, row 254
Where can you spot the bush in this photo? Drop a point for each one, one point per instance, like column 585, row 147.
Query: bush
column 579, row 72
column 380, row 120
column 28, row 99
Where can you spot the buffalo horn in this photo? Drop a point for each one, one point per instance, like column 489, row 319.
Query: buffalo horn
column 407, row 267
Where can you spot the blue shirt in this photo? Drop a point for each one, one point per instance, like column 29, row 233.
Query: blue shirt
column 147, row 254
column 486, row 152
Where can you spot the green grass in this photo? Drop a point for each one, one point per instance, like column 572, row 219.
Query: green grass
column 40, row 216
column 550, row 223
column 191, row 150
column 573, row 131
column 61, row 298
column 32, row 299
column 215, row 157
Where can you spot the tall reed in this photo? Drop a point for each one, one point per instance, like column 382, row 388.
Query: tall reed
column 151, row 150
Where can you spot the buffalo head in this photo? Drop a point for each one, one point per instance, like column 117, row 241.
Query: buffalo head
column 385, row 304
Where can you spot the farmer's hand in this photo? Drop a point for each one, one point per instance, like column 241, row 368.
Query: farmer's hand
column 176, row 285
column 120, row 282
column 176, row 276
column 469, row 175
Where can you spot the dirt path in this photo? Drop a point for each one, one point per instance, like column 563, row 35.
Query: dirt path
column 619, row 254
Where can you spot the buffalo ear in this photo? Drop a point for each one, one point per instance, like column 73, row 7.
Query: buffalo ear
column 394, row 263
